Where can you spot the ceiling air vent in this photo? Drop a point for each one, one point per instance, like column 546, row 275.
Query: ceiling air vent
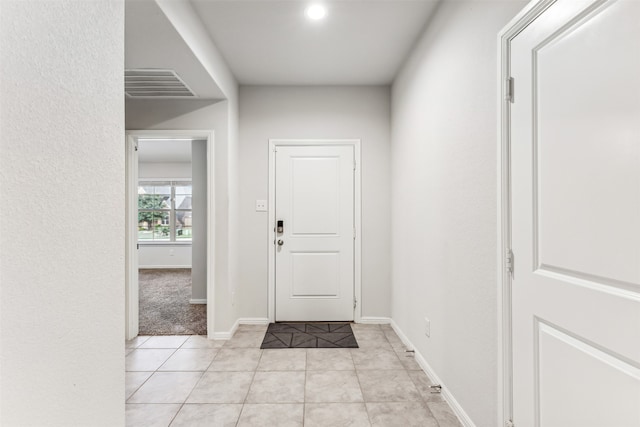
column 155, row 83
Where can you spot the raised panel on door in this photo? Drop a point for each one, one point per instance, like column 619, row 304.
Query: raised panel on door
column 314, row 253
column 576, row 216
column 315, row 274
column 582, row 385
column 315, row 195
column 587, row 146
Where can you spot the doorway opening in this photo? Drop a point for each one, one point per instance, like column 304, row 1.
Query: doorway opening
column 168, row 292
column 169, row 233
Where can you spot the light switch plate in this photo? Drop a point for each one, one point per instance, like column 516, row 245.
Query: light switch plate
column 261, row 205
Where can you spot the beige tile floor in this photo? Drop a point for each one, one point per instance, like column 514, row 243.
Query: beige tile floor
column 192, row 381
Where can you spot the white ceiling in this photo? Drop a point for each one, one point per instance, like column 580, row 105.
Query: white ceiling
column 151, row 41
column 164, row 151
column 270, row 42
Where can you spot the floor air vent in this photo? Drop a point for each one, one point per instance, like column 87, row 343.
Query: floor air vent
column 155, row 83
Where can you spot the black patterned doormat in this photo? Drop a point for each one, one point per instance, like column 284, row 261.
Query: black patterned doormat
column 309, row 335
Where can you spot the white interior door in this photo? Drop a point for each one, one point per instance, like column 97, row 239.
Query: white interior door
column 575, row 145
column 315, row 249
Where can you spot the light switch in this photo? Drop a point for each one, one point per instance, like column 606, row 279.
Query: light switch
column 261, row 205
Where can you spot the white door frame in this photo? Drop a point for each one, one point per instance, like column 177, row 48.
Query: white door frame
column 355, row 143
column 505, row 349
column 131, row 282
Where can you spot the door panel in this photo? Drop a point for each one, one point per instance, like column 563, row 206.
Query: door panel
column 575, row 147
column 576, row 234
column 315, row 274
column 315, row 252
column 585, row 379
column 315, row 195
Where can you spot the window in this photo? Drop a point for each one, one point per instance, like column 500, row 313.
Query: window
column 164, row 211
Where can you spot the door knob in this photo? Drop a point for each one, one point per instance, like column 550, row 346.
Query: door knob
column 280, row 242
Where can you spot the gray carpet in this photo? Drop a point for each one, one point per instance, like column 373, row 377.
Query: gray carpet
column 309, row 335
column 164, row 304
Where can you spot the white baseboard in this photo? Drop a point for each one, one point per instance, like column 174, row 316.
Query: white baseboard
column 221, row 336
column 226, row 335
column 198, row 301
column 253, row 321
column 163, row 267
column 401, row 335
column 241, row 321
column 451, row 400
column 375, row 320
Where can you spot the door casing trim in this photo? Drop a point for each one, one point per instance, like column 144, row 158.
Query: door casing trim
column 505, row 349
column 131, row 262
column 273, row 144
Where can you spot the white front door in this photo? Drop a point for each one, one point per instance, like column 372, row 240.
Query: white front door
column 315, row 246
column 575, row 147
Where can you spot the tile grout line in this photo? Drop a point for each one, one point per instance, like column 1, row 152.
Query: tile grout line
column 193, row 388
column 244, row 402
column 125, row 372
column 304, row 390
column 423, row 400
column 157, row 371
column 152, row 372
column 364, row 401
column 358, row 372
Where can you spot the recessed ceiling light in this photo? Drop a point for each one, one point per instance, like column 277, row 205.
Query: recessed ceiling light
column 316, row 12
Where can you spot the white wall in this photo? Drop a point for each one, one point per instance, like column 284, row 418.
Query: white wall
column 199, row 254
column 444, row 133
column 315, row 113
column 62, row 173
column 164, row 256
column 174, row 170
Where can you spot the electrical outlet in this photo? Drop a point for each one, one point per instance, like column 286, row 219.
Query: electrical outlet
column 261, row 205
column 171, row 252
column 427, row 327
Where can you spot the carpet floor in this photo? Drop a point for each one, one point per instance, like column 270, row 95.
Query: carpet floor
column 309, row 335
column 164, row 304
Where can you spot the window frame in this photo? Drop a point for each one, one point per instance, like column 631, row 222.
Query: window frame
column 172, row 211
